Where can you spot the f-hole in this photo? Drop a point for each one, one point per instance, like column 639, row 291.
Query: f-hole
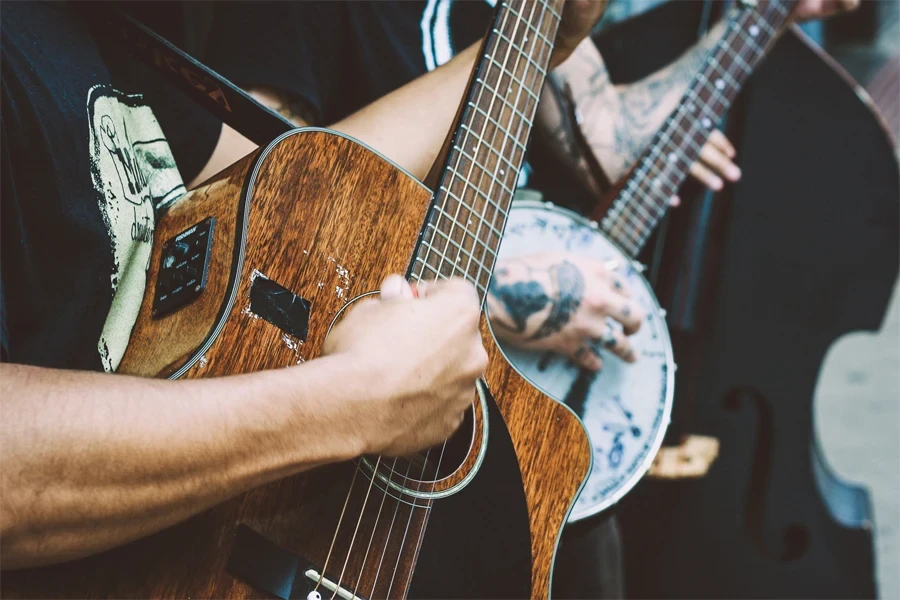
column 795, row 537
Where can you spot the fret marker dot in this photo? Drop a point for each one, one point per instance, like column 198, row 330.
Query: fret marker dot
column 707, row 123
column 719, row 84
column 525, row 39
column 673, row 157
column 502, row 172
column 754, row 30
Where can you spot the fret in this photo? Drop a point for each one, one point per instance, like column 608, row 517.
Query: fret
column 735, row 57
column 750, row 41
column 461, row 253
column 475, row 241
column 491, row 120
column 550, row 9
column 513, row 108
column 537, row 31
column 503, row 172
column 522, row 53
column 662, row 177
column 467, row 180
column 499, row 156
column 765, row 25
column 702, row 104
column 454, row 220
column 471, row 210
column 725, row 74
column 623, row 233
column 639, row 207
column 677, row 145
column 732, row 58
column 437, row 271
column 476, row 188
column 516, row 80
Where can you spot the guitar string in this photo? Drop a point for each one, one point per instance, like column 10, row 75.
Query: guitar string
column 524, row 119
column 506, row 136
column 646, row 177
column 622, row 212
column 362, row 511
column 336, row 530
column 627, row 226
column 621, row 220
column 719, row 95
column 443, row 259
column 388, row 534
column 362, row 568
column 453, row 223
column 725, row 49
column 502, row 212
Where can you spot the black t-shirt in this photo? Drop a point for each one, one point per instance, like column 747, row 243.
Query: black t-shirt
column 85, row 168
column 340, row 56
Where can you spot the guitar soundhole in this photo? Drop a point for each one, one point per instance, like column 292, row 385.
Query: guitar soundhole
column 421, row 471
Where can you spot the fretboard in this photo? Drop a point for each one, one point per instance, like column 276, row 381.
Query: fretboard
column 751, row 29
column 462, row 233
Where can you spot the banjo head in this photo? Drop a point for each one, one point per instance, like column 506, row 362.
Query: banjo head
column 625, row 407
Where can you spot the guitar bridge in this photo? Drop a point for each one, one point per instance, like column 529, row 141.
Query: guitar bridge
column 269, row 568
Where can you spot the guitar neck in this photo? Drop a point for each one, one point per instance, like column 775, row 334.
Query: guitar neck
column 752, row 28
column 462, row 233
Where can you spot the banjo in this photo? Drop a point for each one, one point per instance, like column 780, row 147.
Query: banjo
column 626, row 408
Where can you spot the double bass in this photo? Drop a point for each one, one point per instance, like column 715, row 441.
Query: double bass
column 800, row 252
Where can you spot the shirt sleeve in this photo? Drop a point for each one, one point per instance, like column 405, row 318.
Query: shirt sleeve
column 294, row 47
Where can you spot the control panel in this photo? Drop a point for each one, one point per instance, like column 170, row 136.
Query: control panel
column 183, row 268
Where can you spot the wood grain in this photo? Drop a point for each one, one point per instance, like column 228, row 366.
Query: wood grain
column 159, row 346
column 328, row 219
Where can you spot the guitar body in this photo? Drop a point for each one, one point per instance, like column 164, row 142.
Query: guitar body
column 327, row 219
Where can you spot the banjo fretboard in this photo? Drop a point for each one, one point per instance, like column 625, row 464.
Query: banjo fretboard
column 751, row 29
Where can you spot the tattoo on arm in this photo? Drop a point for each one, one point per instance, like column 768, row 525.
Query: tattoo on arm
column 523, row 299
column 619, row 121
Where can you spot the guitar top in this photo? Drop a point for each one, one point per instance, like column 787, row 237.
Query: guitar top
column 251, row 270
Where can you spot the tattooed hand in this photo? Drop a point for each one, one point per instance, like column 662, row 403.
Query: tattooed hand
column 564, row 303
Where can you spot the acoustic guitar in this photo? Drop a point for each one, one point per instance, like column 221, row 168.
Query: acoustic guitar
column 252, row 269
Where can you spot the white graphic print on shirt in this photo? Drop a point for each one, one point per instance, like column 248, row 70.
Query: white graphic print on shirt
column 134, row 173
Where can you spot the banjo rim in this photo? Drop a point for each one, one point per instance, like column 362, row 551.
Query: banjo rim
column 629, row 482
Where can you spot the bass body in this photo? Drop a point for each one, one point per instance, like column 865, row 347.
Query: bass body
column 319, row 219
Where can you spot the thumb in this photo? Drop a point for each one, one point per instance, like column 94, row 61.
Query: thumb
column 394, row 287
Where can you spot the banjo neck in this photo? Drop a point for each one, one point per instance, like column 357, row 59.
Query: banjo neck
column 462, row 233
column 751, row 29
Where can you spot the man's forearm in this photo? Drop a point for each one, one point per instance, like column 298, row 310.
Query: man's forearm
column 410, row 124
column 91, row 461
